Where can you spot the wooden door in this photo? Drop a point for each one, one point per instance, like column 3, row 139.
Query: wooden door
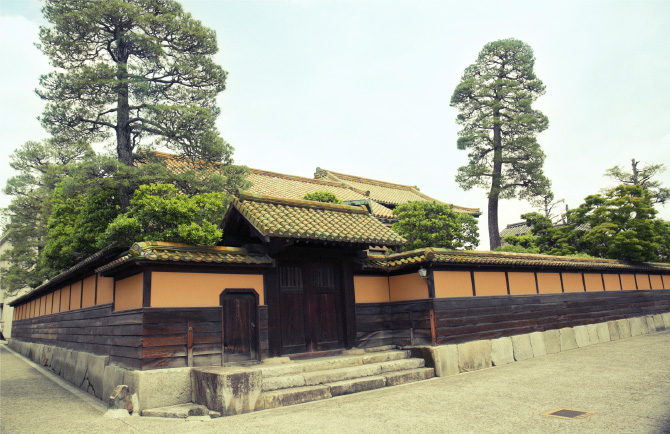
column 310, row 307
column 239, row 325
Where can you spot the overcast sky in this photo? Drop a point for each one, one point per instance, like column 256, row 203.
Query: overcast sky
column 363, row 86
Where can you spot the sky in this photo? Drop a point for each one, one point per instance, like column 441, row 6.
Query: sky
column 363, row 87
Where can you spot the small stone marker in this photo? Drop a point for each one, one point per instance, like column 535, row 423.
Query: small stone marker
column 121, row 399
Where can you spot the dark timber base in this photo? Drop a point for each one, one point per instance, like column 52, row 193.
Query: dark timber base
column 462, row 319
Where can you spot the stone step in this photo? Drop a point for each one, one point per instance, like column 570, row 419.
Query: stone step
column 409, row 376
column 295, row 395
column 299, row 395
column 333, row 362
column 180, row 411
column 313, row 378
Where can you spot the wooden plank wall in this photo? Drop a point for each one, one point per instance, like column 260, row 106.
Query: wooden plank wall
column 472, row 318
column 166, row 337
column 96, row 330
column 396, row 323
column 462, row 319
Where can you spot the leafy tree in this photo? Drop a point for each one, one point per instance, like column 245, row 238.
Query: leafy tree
column 619, row 225
column 158, row 212
column 40, row 166
column 76, row 225
column 642, row 176
column 663, row 231
column 322, row 196
column 499, row 126
column 432, row 224
column 138, row 71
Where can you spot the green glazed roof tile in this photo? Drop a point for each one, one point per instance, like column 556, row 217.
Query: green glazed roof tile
column 478, row 258
column 308, row 220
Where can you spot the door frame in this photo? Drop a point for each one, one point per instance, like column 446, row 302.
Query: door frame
column 255, row 345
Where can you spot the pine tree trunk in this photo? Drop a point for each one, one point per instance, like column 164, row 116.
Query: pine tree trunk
column 123, row 141
column 494, row 193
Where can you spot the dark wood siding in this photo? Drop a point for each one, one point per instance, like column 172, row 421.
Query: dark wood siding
column 464, row 319
column 396, row 323
column 96, row 330
column 470, row 318
column 166, row 337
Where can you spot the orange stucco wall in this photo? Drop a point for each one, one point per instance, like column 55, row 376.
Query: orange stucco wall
column 628, row 282
column 666, row 281
column 642, row 281
column 572, row 282
column 612, row 282
column 198, row 289
column 656, row 281
column 56, row 302
column 129, row 292
column 594, row 282
column 75, row 296
column 372, row 289
column 105, row 290
column 408, row 287
column 88, row 292
column 490, row 283
column 65, row 299
column 521, row 283
column 549, row 283
column 452, row 284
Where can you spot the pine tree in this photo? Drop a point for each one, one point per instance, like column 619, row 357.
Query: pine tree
column 499, row 127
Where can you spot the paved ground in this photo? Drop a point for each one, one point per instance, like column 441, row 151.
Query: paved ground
column 626, row 383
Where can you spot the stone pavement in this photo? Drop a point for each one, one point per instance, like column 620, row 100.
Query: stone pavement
column 625, row 383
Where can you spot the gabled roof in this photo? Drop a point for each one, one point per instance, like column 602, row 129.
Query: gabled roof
column 478, row 258
column 345, row 187
column 273, row 217
column 385, row 192
column 296, row 187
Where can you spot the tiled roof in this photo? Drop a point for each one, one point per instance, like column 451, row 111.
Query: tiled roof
column 308, row 220
column 522, row 228
column 385, row 192
column 295, row 187
column 478, row 258
column 175, row 252
column 100, row 257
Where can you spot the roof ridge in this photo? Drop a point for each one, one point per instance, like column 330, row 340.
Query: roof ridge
column 305, row 179
column 301, row 203
column 142, row 246
column 371, row 181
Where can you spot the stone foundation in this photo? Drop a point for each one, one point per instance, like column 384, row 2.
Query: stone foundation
column 474, row 355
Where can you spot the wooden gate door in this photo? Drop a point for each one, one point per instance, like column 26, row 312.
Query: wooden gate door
column 310, row 307
column 238, row 309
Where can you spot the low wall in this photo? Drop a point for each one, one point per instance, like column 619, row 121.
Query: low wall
column 460, row 319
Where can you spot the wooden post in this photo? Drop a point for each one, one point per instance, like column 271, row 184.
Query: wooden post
column 190, row 343
column 433, row 333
